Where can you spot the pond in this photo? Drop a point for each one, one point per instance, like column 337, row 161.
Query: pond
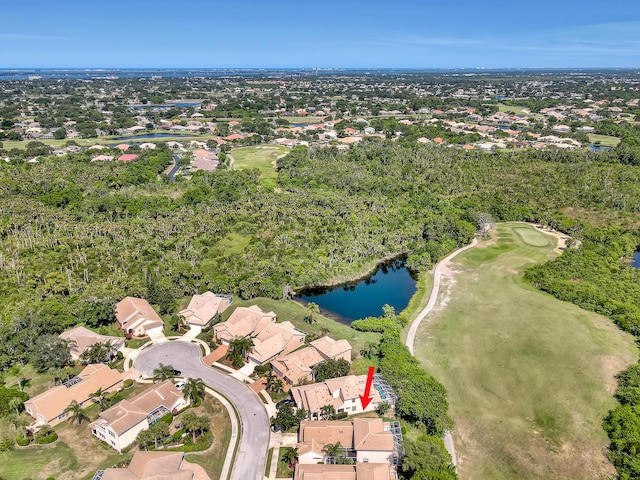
column 597, row 148
column 391, row 284
column 636, row 260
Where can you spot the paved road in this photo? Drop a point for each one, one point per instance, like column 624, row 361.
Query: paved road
column 411, row 336
column 254, row 439
column 175, row 168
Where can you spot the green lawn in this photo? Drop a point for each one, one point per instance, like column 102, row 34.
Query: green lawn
column 212, row 460
column 604, row 140
column 529, row 378
column 511, row 109
column 295, row 313
column 262, row 157
column 283, row 470
column 38, row 462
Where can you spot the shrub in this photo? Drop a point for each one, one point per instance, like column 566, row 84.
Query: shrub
column 167, row 418
column 339, row 416
column 178, row 435
column 22, row 441
column 52, row 437
column 6, row 444
column 128, row 382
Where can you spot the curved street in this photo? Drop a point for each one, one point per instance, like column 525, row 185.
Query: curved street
column 251, row 456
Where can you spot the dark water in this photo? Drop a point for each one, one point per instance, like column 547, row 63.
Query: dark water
column 635, row 263
column 391, row 284
column 597, row 148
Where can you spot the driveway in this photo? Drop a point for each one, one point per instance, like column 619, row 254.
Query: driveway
column 251, row 457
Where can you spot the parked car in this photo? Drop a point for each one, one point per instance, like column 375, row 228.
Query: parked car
column 180, row 385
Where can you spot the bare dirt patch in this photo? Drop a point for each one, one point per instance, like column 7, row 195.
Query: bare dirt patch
column 611, row 366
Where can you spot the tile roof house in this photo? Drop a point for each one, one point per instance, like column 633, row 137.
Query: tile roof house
column 243, row 322
column 360, row 471
column 297, row 367
column 129, row 157
column 275, row 339
column 119, row 425
column 203, row 307
column 82, row 338
column 343, row 393
column 48, row 407
column 136, row 317
column 368, row 440
column 152, row 465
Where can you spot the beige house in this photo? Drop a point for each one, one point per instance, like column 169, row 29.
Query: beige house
column 360, row 471
column 48, row 407
column 343, row 393
column 202, row 308
column 152, row 465
column 297, row 367
column 82, row 339
column 275, row 339
column 119, row 425
column 243, row 322
column 367, row 440
column 136, row 317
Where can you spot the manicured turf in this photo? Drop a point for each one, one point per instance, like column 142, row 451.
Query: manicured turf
column 529, row 378
column 511, row 109
column 262, row 157
column 38, row 462
column 533, row 237
column 604, row 140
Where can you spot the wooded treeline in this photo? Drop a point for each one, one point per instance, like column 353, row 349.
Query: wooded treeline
column 76, row 235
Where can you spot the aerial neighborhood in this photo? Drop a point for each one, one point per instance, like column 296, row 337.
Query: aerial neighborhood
column 169, row 238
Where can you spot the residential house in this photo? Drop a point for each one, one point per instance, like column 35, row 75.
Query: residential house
column 297, row 367
column 136, row 317
column 343, row 393
column 367, row 440
column 119, row 425
column 48, row 407
column 151, row 465
column 275, row 339
column 360, row 471
column 82, row 339
column 129, row 157
column 243, row 322
column 203, row 307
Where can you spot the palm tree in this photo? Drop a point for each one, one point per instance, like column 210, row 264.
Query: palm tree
column 274, row 384
column 194, row 389
column 163, row 372
column 333, row 450
column 312, row 308
column 75, row 411
column 290, row 456
column 327, row 411
column 239, row 349
column 100, row 397
column 16, row 403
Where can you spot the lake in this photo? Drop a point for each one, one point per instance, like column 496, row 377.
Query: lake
column 391, row 284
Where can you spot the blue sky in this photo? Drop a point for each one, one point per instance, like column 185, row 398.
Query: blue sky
column 330, row 33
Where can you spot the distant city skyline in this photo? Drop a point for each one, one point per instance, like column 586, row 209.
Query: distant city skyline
column 330, row 34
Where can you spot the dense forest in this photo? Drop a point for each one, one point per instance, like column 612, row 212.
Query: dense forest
column 75, row 236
